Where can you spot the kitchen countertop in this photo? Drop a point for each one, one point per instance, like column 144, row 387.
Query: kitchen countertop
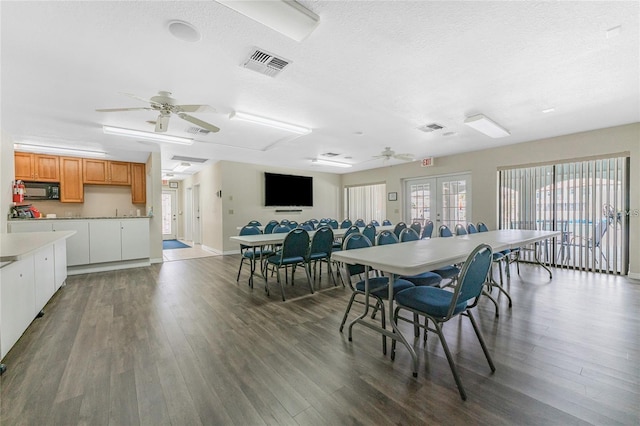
column 16, row 246
column 75, row 218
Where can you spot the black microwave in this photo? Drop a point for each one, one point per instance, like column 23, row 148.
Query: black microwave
column 41, row 191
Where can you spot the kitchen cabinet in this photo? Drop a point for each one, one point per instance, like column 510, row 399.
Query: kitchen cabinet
column 105, row 172
column 17, row 301
column 77, row 252
column 105, row 243
column 135, row 239
column 77, row 246
column 44, row 277
column 138, row 183
column 114, row 240
column 71, row 183
column 60, row 267
column 37, row 167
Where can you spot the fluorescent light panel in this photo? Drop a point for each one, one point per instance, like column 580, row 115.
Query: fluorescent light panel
column 284, row 16
column 486, row 126
column 138, row 134
column 330, row 163
column 45, row 149
column 256, row 119
column 181, row 167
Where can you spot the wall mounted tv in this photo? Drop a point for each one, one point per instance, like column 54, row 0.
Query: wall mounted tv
column 287, row 190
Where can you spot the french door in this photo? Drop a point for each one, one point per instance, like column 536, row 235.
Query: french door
column 169, row 215
column 445, row 200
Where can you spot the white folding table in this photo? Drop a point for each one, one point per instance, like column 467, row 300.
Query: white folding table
column 415, row 257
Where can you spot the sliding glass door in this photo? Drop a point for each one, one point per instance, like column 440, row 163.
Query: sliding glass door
column 586, row 200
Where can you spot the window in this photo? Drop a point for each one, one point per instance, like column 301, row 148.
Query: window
column 367, row 202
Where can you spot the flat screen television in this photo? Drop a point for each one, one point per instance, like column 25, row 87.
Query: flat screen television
column 287, row 190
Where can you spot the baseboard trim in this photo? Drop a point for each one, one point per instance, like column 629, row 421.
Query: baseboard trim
column 103, row 267
column 211, row 249
column 157, row 260
column 634, row 276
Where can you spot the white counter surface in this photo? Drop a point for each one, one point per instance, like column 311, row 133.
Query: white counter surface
column 17, row 246
column 30, row 219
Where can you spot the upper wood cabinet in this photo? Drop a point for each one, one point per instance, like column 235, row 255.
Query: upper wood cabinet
column 37, row 167
column 105, row 172
column 138, row 183
column 71, row 186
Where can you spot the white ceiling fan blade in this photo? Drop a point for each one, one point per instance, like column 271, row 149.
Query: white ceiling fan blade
column 121, row 109
column 162, row 123
column 149, row 101
column 404, row 157
column 194, row 108
column 199, row 122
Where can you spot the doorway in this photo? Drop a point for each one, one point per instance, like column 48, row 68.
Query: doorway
column 445, row 200
column 169, row 207
column 197, row 223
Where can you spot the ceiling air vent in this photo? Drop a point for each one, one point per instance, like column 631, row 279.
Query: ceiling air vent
column 189, row 159
column 197, row 131
column 329, row 154
column 427, row 128
column 265, row 63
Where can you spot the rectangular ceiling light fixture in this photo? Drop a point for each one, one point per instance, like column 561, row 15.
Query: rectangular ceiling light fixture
column 181, row 167
column 250, row 118
column 138, row 134
column 486, row 126
column 287, row 17
column 46, row 149
column 330, row 163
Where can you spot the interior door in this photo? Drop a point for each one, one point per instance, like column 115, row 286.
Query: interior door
column 188, row 217
column 197, row 222
column 446, row 200
column 169, row 215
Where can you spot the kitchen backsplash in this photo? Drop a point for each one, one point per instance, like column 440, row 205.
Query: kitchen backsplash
column 99, row 201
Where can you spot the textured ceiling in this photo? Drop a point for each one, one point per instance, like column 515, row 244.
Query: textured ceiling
column 377, row 68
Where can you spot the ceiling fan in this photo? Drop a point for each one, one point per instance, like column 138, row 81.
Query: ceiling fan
column 166, row 105
column 388, row 154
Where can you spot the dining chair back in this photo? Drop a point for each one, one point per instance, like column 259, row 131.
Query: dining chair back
column 482, row 227
column 268, row 228
column 439, row 306
column 250, row 254
column 374, row 222
column 444, row 231
column 416, row 226
column 280, row 229
column 360, row 223
column 408, row 234
column 333, row 224
column 386, row 237
column 471, row 229
column 294, row 251
column 254, row 223
column 320, row 250
column 427, row 230
column 345, row 224
column 352, row 230
column 398, row 228
column 369, row 231
column 460, row 229
column 386, row 222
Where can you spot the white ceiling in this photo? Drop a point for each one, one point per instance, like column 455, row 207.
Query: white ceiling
column 382, row 68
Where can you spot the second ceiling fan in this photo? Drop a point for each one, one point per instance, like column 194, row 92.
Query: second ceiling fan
column 166, row 105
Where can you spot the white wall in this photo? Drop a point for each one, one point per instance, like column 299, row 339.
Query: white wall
column 6, row 178
column 484, row 166
column 242, row 199
column 154, row 201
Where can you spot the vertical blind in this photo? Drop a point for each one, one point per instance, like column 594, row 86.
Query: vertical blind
column 366, row 202
column 586, row 200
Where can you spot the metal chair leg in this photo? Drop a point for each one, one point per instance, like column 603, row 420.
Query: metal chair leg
column 452, row 365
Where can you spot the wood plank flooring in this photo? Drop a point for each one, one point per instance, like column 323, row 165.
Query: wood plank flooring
column 182, row 343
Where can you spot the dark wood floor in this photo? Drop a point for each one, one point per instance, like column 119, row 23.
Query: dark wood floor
column 181, row 343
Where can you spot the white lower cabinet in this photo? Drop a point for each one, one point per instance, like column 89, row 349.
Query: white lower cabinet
column 105, row 244
column 60, row 259
column 44, row 276
column 135, row 239
column 17, row 301
column 78, row 243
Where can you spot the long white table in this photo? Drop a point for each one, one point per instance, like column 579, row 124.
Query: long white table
column 415, row 257
column 260, row 240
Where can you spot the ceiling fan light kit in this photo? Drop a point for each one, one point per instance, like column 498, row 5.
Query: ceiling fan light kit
column 255, row 119
column 287, row 17
column 138, row 134
column 330, row 163
column 487, row 126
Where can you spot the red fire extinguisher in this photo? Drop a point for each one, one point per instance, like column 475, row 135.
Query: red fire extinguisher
column 18, row 192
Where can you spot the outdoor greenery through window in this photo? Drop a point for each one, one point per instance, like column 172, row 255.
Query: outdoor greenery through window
column 587, row 201
column 367, row 202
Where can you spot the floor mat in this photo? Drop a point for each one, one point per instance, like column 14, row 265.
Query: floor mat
column 173, row 244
